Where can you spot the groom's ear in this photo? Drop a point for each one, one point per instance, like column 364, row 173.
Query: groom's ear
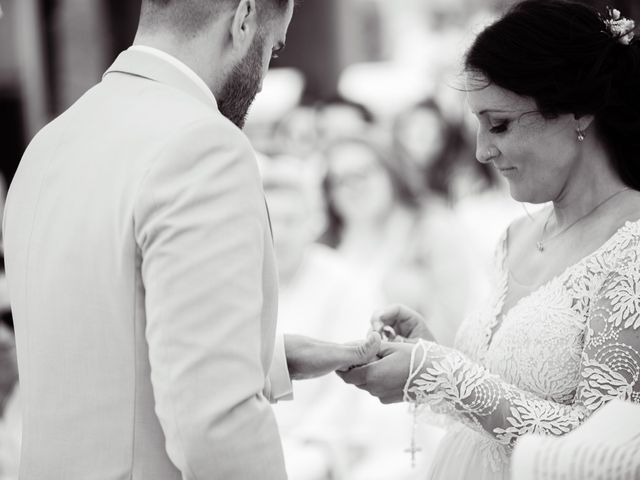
column 244, row 25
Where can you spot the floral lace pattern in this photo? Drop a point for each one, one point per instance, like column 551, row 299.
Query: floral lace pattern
column 550, row 361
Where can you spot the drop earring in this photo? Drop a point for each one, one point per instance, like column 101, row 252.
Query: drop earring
column 580, row 135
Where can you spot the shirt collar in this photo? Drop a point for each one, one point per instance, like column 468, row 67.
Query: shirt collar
column 193, row 76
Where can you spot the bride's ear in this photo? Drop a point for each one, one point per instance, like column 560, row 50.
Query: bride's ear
column 583, row 122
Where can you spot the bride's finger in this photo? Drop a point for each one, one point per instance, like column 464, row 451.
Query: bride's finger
column 376, row 324
column 400, row 317
column 355, row 376
column 399, row 314
column 386, row 315
column 399, row 339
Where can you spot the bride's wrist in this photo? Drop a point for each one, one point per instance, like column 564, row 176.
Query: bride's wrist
column 418, row 361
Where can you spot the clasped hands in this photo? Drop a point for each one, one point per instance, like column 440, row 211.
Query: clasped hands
column 376, row 366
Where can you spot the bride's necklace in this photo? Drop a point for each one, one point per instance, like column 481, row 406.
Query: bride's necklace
column 540, row 243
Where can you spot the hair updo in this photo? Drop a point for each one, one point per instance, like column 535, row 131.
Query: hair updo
column 561, row 54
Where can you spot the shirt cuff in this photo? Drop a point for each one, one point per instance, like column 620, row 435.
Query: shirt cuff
column 280, row 387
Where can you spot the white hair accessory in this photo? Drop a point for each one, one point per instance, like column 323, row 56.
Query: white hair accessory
column 619, row 27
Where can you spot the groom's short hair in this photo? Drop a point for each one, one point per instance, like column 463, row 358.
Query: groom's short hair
column 191, row 15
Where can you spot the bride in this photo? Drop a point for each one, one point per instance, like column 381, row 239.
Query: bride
column 554, row 86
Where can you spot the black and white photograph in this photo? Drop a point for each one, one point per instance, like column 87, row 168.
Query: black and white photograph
column 320, row 240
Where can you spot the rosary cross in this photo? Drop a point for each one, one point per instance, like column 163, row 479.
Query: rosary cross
column 413, row 449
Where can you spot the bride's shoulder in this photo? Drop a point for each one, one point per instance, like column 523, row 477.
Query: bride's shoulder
column 625, row 218
column 630, row 210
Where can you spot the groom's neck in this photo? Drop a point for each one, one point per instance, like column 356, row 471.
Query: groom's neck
column 199, row 53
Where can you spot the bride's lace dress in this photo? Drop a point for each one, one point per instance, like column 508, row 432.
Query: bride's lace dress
column 543, row 366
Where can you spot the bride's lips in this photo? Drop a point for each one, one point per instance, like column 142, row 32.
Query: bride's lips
column 508, row 171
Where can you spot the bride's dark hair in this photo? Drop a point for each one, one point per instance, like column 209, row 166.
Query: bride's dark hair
column 561, row 54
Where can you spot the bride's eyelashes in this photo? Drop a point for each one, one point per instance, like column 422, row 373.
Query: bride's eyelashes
column 499, row 127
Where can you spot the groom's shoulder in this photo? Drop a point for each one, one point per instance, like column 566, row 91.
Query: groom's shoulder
column 161, row 107
column 143, row 114
column 132, row 124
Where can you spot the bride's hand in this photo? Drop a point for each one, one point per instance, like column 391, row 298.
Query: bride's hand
column 406, row 323
column 386, row 377
column 310, row 358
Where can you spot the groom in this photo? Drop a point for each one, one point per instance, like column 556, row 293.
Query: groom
column 140, row 264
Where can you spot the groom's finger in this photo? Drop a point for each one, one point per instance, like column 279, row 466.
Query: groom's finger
column 359, row 353
column 368, row 351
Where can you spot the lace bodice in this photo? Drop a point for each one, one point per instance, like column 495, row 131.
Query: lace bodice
column 551, row 360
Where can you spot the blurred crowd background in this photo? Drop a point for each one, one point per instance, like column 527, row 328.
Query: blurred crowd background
column 368, row 157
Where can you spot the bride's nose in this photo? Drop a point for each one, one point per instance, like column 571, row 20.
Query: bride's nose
column 485, row 147
column 486, row 154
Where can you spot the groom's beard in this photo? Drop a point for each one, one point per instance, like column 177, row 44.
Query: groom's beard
column 242, row 84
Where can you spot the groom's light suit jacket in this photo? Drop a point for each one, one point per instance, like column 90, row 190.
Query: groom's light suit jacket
column 143, row 285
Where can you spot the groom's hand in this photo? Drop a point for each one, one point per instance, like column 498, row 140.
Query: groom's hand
column 310, row 358
column 386, row 377
column 406, row 323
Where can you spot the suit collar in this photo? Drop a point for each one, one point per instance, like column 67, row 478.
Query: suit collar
column 146, row 65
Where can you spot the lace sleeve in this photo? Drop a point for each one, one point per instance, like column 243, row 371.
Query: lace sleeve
column 606, row 446
column 610, row 367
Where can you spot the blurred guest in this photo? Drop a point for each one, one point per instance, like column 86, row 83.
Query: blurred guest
column 436, row 145
column 430, row 145
column 5, row 308
column 339, row 117
column 371, row 208
column 10, row 407
column 319, row 296
column 408, row 250
column 10, row 422
column 327, row 431
column 297, row 131
column 8, row 367
column 439, row 152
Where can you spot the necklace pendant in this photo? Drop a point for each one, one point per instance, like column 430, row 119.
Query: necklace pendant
column 540, row 246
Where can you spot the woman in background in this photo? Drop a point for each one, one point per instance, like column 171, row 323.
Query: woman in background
column 431, row 146
column 407, row 249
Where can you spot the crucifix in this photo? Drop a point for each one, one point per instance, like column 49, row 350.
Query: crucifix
column 413, row 447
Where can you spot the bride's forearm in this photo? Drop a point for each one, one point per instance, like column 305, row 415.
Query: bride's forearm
column 453, row 384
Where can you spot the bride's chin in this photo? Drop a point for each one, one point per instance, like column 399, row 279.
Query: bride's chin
column 517, row 194
column 523, row 195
